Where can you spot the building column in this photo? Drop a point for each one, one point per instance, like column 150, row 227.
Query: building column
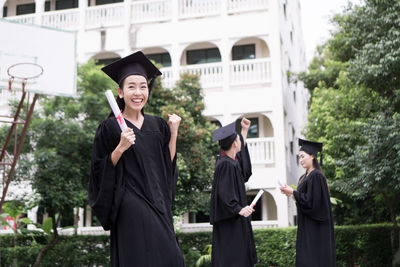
column 225, row 60
column 2, row 2
column 264, row 211
column 174, row 10
column 127, row 27
column 39, row 10
column 176, row 53
column 81, row 218
column 82, row 6
column 32, row 215
column 224, row 9
column 88, row 219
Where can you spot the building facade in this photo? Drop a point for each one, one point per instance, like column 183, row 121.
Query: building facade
column 244, row 51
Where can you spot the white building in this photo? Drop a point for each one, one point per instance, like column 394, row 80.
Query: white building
column 243, row 50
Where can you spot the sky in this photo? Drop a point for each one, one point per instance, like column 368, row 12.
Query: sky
column 315, row 19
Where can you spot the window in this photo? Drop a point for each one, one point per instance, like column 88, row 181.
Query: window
column 66, row 4
column 291, row 37
column 47, row 6
column 162, row 58
column 244, row 52
column 253, row 130
column 25, row 9
column 198, row 217
column 203, row 56
column 257, row 215
column 4, row 11
column 291, row 147
column 106, row 61
column 104, row 2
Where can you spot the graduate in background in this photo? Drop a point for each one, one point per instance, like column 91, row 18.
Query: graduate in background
column 232, row 241
column 132, row 186
column 315, row 246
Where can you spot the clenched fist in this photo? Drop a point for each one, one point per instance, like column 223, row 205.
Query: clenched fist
column 245, row 123
column 173, row 122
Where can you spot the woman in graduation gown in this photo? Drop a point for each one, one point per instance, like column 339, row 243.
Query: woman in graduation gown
column 315, row 246
column 133, row 173
column 232, row 240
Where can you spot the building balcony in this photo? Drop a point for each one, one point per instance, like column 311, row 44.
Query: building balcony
column 152, row 11
column 261, row 150
column 210, row 74
column 241, row 72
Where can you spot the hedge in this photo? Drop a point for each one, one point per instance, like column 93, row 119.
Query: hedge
column 365, row 245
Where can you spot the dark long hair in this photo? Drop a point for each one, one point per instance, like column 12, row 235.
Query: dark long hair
column 317, row 167
column 121, row 105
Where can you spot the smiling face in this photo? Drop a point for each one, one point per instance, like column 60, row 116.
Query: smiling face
column 135, row 92
column 306, row 160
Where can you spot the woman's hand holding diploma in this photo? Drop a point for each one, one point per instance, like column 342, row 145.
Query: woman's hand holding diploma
column 246, row 211
column 287, row 190
column 127, row 139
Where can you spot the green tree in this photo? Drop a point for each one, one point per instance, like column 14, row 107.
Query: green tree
column 352, row 80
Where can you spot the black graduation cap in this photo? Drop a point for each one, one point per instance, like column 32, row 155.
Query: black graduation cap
column 134, row 64
column 225, row 135
column 311, row 148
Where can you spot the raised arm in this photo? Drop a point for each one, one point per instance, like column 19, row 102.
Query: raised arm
column 173, row 122
column 245, row 123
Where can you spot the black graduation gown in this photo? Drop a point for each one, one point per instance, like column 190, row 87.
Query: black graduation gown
column 134, row 198
column 315, row 246
column 232, row 240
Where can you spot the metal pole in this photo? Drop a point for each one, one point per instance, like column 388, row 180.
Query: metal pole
column 21, row 142
column 21, row 102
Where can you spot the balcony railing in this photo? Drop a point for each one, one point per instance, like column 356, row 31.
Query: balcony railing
column 148, row 11
column 142, row 11
column 210, row 74
column 251, row 70
column 167, row 80
column 105, row 15
column 235, row 6
column 25, row 19
column 62, row 19
column 199, row 8
column 262, row 150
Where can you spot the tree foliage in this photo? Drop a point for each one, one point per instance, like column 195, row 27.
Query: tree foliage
column 354, row 85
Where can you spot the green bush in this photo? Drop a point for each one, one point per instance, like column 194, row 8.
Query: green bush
column 364, row 245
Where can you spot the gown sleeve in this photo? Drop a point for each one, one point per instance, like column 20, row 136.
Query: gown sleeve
column 226, row 198
column 312, row 201
column 104, row 181
column 171, row 165
column 244, row 160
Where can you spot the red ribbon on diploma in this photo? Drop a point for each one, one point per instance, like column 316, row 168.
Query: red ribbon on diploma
column 119, row 118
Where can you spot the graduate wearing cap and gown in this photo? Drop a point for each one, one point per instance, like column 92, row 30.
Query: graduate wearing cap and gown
column 232, row 239
column 315, row 245
column 132, row 186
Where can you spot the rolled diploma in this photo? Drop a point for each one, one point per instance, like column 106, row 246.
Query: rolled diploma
column 116, row 110
column 259, row 194
column 281, row 184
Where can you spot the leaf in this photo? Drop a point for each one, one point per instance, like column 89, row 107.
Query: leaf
column 48, row 225
column 25, row 220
